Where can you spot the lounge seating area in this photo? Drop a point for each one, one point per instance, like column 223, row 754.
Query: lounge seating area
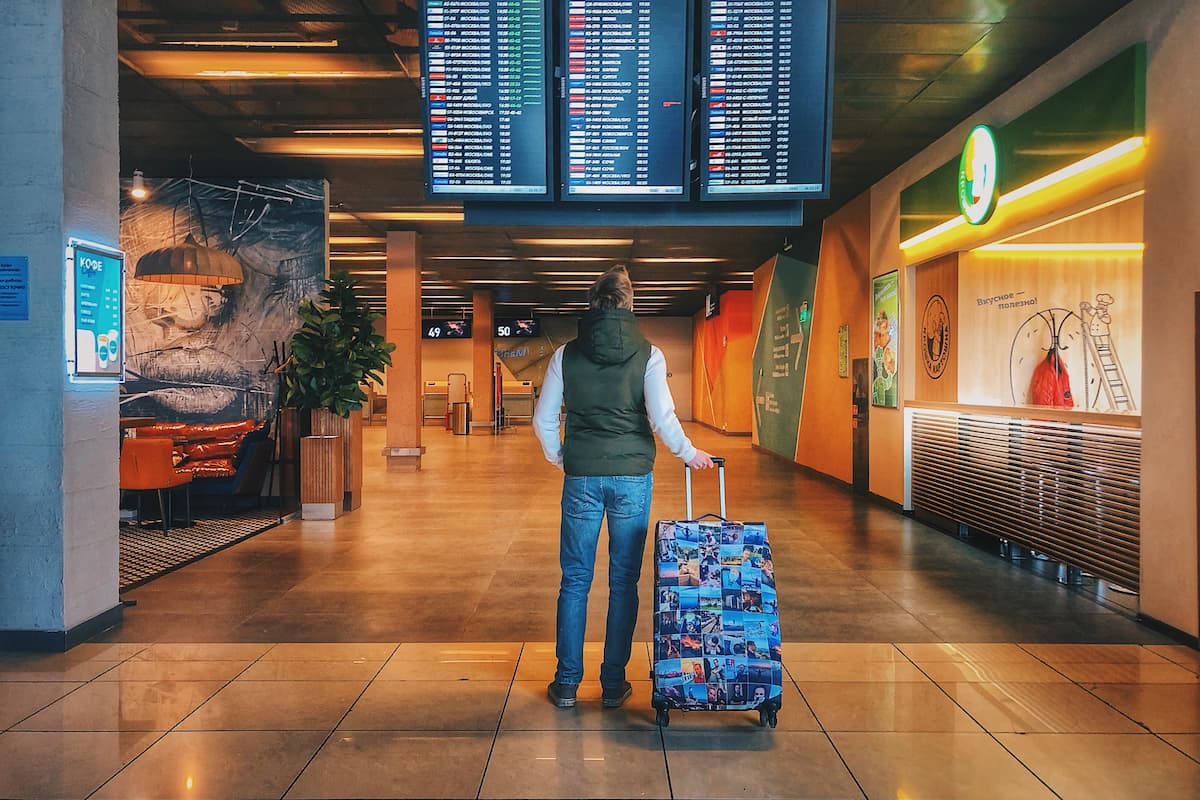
column 224, row 459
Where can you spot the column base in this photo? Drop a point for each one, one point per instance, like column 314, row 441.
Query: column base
column 481, row 429
column 325, row 511
column 404, row 464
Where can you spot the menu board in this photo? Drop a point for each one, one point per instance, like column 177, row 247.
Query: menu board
column 487, row 95
column 98, row 286
column 627, row 99
column 766, row 128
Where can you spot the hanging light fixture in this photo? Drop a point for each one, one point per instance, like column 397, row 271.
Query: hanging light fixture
column 138, row 191
column 190, row 263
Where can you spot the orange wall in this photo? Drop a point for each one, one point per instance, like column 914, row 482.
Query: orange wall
column 824, row 442
column 722, row 350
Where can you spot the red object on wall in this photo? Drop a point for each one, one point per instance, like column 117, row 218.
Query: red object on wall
column 1051, row 385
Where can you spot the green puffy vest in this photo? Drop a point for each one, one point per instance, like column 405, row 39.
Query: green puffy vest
column 604, row 372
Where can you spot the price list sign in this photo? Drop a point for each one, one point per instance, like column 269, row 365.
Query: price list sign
column 766, row 66
column 487, row 98
column 627, row 99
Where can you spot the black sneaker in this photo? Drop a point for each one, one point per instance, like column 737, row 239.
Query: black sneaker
column 562, row 694
column 615, row 696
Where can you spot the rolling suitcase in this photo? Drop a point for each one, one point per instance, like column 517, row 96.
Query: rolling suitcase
column 716, row 616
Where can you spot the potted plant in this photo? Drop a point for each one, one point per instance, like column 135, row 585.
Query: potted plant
column 333, row 354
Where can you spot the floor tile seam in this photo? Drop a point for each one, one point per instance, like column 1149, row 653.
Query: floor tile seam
column 31, row 715
column 330, row 733
column 1090, row 693
column 487, row 762
column 993, row 736
column 823, row 730
column 174, row 728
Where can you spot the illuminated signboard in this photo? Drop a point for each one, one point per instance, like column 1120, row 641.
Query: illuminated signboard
column 765, row 125
column 97, row 288
column 628, row 99
column 446, row 329
column 487, row 99
column 517, row 328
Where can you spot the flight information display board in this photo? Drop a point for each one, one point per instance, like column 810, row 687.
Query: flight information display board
column 628, row 77
column 487, row 98
column 765, row 131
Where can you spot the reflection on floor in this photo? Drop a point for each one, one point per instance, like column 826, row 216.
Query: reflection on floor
column 471, row 720
column 467, row 550
column 464, row 554
column 146, row 552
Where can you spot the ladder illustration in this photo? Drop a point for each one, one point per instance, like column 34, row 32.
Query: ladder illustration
column 1097, row 334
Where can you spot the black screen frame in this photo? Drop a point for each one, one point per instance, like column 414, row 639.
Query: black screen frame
column 561, row 27
column 827, row 139
column 550, row 117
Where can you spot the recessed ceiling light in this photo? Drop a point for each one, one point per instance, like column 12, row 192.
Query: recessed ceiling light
column 569, row 259
column 358, row 132
column 376, row 272
column 335, row 146
column 576, row 242
column 472, row 258
column 357, row 240
column 358, row 256
column 680, row 260
column 277, row 65
column 568, row 274
column 252, row 43
column 445, row 215
column 504, row 281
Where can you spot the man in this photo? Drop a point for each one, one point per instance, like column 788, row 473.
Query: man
column 614, row 386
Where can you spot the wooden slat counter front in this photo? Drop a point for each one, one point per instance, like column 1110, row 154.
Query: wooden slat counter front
column 1062, row 482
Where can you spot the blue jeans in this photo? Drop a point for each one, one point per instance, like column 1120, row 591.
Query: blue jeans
column 585, row 502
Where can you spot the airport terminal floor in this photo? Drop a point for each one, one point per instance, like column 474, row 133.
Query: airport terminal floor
column 403, row 651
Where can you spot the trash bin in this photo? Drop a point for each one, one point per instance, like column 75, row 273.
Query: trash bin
column 461, row 418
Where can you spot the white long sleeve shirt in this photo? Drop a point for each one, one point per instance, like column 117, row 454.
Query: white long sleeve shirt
column 660, row 408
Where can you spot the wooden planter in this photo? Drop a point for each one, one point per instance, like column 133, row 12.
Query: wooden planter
column 350, row 429
column 322, row 477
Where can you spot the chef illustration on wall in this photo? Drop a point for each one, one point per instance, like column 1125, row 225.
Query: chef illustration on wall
column 199, row 350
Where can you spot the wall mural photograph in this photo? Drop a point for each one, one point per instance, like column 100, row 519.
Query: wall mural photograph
column 204, row 353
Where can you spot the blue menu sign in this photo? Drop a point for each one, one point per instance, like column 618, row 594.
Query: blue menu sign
column 98, row 276
column 14, row 287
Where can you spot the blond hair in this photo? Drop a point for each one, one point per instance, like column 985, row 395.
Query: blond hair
column 613, row 289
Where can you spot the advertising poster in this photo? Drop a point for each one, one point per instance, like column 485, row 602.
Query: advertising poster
column 781, row 355
column 885, row 340
column 98, row 276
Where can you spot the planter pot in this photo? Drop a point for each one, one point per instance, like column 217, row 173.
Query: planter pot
column 322, row 477
column 326, row 423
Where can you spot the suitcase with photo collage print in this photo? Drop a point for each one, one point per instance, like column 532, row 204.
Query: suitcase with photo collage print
column 716, row 616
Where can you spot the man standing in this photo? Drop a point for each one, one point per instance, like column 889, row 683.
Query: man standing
column 614, row 386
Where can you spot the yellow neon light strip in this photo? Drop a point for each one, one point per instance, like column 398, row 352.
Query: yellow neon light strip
column 1063, row 247
column 1075, row 216
column 1053, row 179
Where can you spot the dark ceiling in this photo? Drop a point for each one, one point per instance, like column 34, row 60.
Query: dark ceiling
column 906, row 72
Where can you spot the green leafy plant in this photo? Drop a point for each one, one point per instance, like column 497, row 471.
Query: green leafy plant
column 335, row 351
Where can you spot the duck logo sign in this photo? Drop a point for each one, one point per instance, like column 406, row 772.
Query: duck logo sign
column 978, row 172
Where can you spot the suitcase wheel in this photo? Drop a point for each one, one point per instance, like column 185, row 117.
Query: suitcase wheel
column 663, row 718
column 768, row 717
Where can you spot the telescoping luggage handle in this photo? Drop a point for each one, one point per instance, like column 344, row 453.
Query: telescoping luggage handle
column 687, row 475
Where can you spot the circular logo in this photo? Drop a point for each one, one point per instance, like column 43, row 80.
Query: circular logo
column 935, row 336
column 978, row 170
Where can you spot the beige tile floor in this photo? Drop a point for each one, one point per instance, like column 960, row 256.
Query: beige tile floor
column 462, row 719
column 365, row 658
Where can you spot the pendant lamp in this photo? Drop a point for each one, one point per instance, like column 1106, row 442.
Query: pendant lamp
column 190, row 263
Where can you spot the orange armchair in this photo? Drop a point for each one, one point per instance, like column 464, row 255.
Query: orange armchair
column 146, row 466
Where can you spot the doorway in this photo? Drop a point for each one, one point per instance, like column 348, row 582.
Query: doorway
column 860, row 422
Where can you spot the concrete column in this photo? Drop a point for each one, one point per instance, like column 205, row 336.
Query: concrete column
column 403, row 451
column 483, row 359
column 59, row 165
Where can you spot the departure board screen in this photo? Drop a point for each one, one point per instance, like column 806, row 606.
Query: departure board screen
column 487, row 98
column 766, row 67
column 628, row 80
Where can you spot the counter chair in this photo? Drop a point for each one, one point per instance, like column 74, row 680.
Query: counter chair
column 147, row 466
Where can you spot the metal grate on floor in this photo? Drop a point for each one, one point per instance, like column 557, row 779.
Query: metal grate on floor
column 146, row 553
